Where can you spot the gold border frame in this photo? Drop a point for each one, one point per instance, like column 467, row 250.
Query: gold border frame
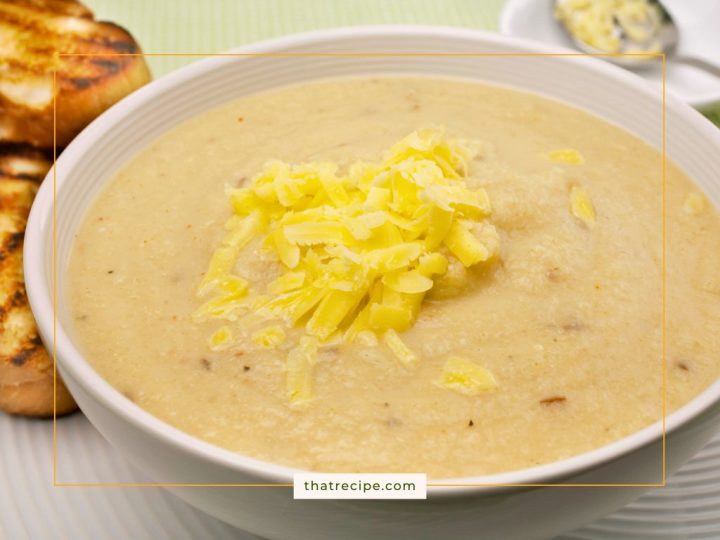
column 663, row 59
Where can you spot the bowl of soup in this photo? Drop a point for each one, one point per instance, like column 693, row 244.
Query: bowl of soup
column 390, row 250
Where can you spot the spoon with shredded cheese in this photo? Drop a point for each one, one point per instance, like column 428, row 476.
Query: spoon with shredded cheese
column 632, row 32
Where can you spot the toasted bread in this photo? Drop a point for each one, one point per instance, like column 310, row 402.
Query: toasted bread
column 32, row 33
column 26, row 369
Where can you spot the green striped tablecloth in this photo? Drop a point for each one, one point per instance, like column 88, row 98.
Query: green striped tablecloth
column 208, row 26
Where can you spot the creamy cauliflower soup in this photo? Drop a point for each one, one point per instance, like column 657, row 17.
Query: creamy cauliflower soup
column 399, row 274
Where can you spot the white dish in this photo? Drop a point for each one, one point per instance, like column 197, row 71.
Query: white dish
column 699, row 36
column 168, row 455
column 689, row 508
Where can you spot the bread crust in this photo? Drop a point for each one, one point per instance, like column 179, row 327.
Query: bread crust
column 26, row 369
column 33, row 396
column 84, row 85
column 45, row 100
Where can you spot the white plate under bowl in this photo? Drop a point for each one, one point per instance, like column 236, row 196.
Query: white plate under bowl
column 31, row 509
column 698, row 20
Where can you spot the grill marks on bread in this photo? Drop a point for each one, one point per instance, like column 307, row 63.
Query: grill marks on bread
column 34, row 32
column 26, row 374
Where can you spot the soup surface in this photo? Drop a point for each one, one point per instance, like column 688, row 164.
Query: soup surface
column 567, row 319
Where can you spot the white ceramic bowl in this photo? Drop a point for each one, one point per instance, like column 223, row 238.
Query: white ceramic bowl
column 168, row 455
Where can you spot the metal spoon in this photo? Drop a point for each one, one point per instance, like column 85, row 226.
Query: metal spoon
column 666, row 35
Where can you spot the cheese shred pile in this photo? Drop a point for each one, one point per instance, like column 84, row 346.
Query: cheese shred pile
column 358, row 249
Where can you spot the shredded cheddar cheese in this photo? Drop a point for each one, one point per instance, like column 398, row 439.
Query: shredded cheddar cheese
column 398, row 347
column 268, row 338
column 358, row 249
column 695, row 203
column 567, row 155
column 221, row 339
column 299, row 366
column 581, row 206
column 466, row 377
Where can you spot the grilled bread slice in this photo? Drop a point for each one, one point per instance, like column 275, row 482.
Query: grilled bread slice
column 32, row 33
column 26, row 369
